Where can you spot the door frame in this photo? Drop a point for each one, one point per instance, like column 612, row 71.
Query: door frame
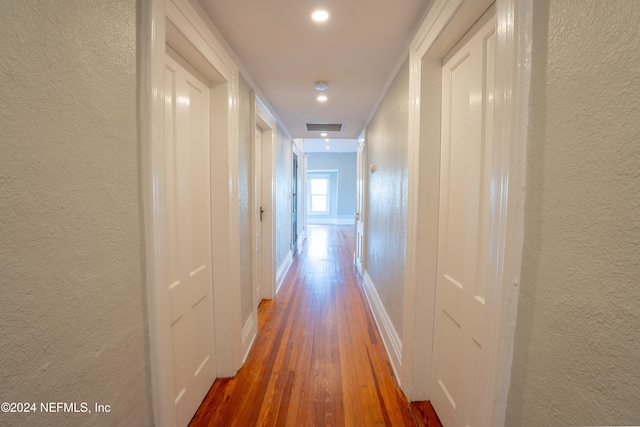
column 262, row 117
column 298, row 149
column 178, row 23
column 294, row 202
column 361, row 201
column 446, row 22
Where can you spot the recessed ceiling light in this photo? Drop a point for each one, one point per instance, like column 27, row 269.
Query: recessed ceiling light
column 326, row 140
column 320, row 15
column 323, row 134
column 322, row 98
column 327, row 147
column 321, row 86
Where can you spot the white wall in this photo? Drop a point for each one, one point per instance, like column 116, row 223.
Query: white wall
column 72, row 312
column 577, row 345
column 386, row 209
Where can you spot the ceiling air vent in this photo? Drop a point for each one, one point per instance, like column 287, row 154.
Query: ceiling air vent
column 324, row 127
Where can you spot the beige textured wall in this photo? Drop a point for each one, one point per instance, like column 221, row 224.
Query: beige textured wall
column 72, row 312
column 577, row 345
column 387, row 145
column 284, row 159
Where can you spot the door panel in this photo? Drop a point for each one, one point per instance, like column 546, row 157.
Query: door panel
column 294, row 205
column 257, row 197
column 467, row 122
column 188, row 228
column 359, row 243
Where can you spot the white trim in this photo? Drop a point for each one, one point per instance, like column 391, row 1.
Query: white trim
column 196, row 38
column 267, row 122
column 513, row 77
column 361, row 204
column 224, row 180
column 321, row 175
column 152, row 110
column 390, row 337
column 283, row 269
column 249, row 334
column 445, row 23
column 331, row 216
column 256, row 205
column 312, row 220
column 304, row 185
column 301, row 192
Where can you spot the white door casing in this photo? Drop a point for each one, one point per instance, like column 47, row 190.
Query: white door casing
column 188, row 234
column 468, row 75
column 177, row 23
column 257, row 216
column 294, row 202
column 264, row 121
column 360, row 204
column 446, row 22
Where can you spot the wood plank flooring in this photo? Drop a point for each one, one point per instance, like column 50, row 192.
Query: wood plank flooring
column 318, row 359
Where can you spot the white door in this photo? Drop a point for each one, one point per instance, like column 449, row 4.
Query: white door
column 258, row 214
column 468, row 74
column 188, row 228
column 359, row 243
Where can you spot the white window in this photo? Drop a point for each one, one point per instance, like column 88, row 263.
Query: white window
column 320, row 197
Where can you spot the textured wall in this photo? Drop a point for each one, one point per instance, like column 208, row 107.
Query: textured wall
column 284, row 159
column 72, row 312
column 577, row 349
column 244, row 200
column 345, row 164
column 387, row 144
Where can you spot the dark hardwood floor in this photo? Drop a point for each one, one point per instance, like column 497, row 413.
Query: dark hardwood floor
column 318, row 358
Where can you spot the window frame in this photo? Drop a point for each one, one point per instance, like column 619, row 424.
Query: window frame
column 319, row 176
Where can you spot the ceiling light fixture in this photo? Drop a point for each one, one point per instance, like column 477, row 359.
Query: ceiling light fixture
column 321, row 86
column 320, row 15
column 322, row 98
column 323, row 134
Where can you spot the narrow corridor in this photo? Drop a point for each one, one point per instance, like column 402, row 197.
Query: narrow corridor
column 318, row 358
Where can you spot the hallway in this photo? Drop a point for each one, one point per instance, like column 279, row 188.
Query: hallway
column 318, row 358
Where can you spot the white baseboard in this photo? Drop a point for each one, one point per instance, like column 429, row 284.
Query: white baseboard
column 330, row 221
column 346, row 221
column 282, row 270
column 390, row 338
column 249, row 334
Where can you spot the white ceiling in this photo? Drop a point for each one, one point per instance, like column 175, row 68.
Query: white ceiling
column 335, row 145
column 284, row 52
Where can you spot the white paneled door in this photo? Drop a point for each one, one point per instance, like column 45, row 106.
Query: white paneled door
column 188, row 234
column 468, row 74
column 258, row 213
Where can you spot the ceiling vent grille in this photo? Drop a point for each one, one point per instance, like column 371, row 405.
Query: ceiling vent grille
column 324, row 127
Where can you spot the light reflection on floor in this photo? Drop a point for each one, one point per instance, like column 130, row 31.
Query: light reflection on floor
column 318, row 243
